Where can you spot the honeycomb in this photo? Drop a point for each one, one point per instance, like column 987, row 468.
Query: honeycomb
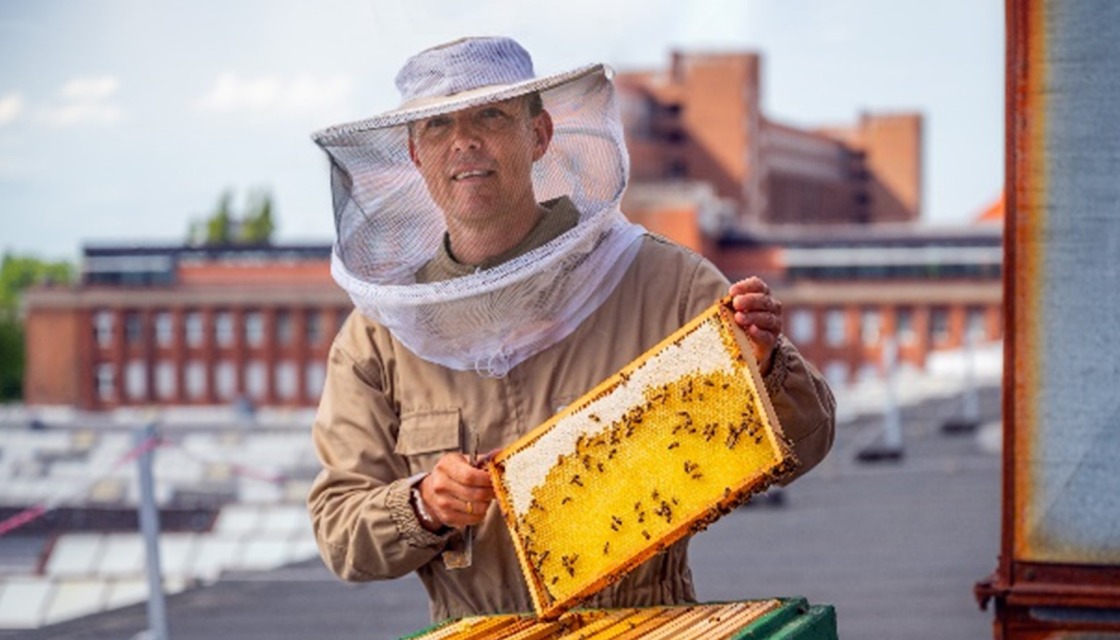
column 678, row 437
column 705, row 621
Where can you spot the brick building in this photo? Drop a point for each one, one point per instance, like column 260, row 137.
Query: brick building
column 701, row 119
column 181, row 325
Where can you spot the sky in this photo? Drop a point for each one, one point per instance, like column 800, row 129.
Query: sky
column 122, row 121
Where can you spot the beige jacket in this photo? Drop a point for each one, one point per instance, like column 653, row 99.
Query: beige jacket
column 386, row 415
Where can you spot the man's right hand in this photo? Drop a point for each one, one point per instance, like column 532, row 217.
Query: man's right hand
column 455, row 493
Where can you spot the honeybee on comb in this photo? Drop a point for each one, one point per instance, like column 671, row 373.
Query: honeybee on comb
column 687, row 424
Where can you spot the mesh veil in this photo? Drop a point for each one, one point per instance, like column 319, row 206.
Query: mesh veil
column 388, row 226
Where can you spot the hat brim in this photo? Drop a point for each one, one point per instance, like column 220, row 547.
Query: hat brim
column 428, row 107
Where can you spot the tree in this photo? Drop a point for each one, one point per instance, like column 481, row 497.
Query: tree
column 254, row 226
column 16, row 274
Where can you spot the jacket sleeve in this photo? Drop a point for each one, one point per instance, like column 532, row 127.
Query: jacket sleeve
column 802, row 399
column 363, row 521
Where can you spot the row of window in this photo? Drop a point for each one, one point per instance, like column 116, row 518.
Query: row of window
column 285, row 381
column 224, row 327
column 803, row 330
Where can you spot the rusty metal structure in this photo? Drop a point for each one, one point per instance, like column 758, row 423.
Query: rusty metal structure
column 1059, row 568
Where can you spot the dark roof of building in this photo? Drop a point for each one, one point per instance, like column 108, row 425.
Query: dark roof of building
column 900, row 235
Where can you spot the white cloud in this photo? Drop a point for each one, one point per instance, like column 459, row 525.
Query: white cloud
column 87, row 100
column 283, row 96
column 11, row 105
column 92, row 89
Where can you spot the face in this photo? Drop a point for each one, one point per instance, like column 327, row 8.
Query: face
column 477, row 162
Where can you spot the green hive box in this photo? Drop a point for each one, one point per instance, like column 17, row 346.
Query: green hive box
column 776, row 619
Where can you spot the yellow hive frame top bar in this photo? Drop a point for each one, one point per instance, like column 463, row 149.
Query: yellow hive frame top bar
column 659, row 450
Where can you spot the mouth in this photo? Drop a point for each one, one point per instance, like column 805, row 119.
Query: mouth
column 473, row 173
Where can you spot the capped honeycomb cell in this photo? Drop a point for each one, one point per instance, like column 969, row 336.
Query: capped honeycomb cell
column 661, row 449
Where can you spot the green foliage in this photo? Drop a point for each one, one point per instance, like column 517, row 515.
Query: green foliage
column 255, row 225
column 19, row 272
column 11, row 357
column 16, row 274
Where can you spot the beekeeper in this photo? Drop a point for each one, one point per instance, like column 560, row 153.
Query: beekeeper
column 495, row 280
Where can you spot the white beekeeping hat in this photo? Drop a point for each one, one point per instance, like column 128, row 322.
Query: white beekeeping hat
column 388, row 226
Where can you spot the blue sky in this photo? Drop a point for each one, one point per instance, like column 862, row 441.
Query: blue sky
column 123, row 120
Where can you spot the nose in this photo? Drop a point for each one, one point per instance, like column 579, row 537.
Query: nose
column 464, row 136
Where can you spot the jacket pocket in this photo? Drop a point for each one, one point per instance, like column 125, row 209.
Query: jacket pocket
column 425, row 437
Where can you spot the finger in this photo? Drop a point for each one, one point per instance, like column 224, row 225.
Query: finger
column 756, row 302
column 753, row 284
column 760, row 319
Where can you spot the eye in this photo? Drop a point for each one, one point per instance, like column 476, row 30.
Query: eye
column 436, row 123
column 491, row 113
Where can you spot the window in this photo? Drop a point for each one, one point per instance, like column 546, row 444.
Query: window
column 254, row 329
column 103, row 328
column 136, row 380
column 195, row 330
column 256, row 381
column 284, row 332
column 314, row 376
column 195, row 379
column 836, row 373
column 870, row 324
column 165, row 380
column 105, row 380
column 286, row 381
column 223, row 329
column 975, row 325
column 164, row 329
column 133, row 328
column 904, row 325
column 225, row 380
column 834, row 327
column 313, row 327
column 802, row 326
column 939, row 325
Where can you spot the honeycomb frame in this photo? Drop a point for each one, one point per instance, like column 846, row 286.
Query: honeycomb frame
column 525, row 478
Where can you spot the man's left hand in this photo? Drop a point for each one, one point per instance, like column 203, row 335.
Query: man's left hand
column 760, row 315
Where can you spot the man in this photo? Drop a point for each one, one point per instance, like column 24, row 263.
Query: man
column 495, row 281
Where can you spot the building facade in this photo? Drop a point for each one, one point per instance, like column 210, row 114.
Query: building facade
column 183, row 326
column 701, row 120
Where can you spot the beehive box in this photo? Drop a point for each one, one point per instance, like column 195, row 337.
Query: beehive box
column 791, row 619
column 661, row 449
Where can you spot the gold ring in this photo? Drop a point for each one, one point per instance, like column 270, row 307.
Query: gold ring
column 470, row 508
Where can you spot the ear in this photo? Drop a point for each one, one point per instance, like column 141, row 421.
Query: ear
column 542, row 132
column 412, row 151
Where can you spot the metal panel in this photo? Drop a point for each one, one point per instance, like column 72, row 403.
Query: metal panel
column 1059, row 567
column 1067, row 229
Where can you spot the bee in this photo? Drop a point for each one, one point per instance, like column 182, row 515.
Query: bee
column 566, row 500
column 576, row 480
column 674, row 445
column 646, row 534
column 600, row 466
column 607, row 548
column 555, row 579
column 594, row 418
